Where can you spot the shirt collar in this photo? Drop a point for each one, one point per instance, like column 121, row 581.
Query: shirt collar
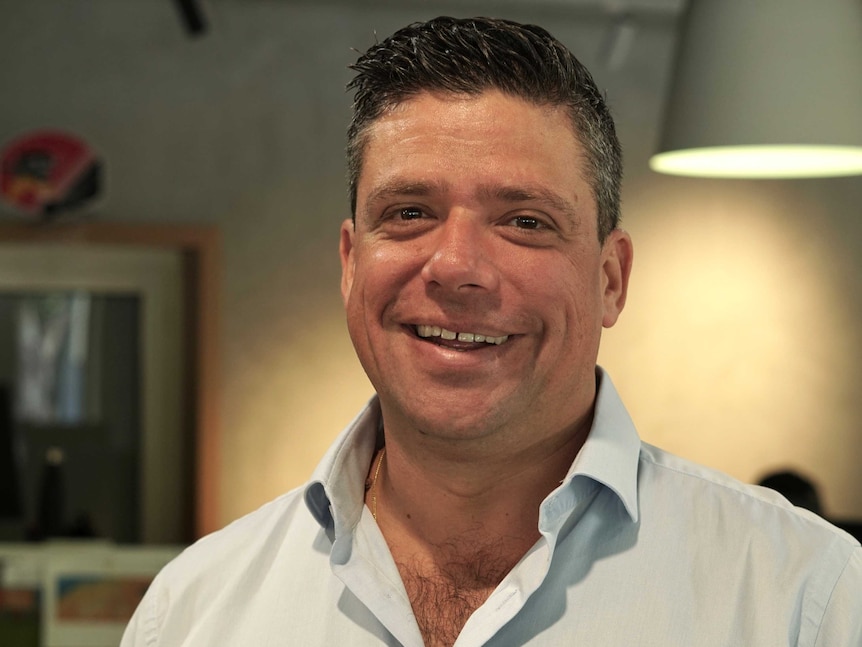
column 336, row 493
column 611, row 452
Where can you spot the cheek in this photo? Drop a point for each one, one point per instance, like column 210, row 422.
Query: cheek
column 572, row 305
column 397, row 258
column 378, row 282
column 388, row 270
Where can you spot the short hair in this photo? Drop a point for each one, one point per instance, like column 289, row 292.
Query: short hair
column 470, row 56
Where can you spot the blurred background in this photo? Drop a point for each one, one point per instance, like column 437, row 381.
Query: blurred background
column 740, row 345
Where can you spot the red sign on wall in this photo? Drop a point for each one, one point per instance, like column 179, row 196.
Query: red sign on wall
column 48, row 171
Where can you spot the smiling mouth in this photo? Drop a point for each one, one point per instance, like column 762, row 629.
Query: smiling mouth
column 435, row 333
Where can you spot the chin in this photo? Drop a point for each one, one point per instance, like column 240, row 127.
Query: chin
column 452, row 413
column 453, row 423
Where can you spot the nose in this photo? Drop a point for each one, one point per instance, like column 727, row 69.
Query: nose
column 462, row 257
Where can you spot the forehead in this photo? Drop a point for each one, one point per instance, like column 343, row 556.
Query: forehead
column 476, row 111
column 483, row 139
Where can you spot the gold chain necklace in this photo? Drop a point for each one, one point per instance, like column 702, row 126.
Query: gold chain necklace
column 374, row 483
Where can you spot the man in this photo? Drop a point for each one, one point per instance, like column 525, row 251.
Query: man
column 495, row 492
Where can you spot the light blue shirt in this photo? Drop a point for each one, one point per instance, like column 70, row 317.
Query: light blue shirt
column 638, row 548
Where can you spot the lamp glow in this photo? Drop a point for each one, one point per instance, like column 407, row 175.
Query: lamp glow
column 766, row 162
column 766, row 89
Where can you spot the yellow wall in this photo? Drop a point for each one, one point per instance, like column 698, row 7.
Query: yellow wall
column 740, row 344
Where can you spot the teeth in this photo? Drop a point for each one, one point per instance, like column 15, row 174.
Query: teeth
column 436, row 331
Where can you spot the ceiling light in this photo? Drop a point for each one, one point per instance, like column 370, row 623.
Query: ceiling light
column 766, row 89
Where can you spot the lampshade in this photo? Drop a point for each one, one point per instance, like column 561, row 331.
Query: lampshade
column 766, row 88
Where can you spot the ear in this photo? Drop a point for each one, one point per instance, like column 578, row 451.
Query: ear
column 616, row 267
column 348, row 263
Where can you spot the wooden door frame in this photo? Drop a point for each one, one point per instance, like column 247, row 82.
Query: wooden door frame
column 201, row 246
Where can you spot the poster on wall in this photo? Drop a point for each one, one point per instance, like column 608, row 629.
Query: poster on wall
column 45, row 172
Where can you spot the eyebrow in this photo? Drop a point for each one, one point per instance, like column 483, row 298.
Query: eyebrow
column 404, row 188
column 539, row 194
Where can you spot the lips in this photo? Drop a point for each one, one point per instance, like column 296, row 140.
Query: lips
column 426, row 331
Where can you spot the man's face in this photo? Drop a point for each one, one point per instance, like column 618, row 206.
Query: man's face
column 474, row 221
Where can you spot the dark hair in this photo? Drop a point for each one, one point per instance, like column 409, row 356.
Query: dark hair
column 796, row 488
column 469, row 56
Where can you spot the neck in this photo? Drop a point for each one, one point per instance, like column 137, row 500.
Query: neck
column 439, row 490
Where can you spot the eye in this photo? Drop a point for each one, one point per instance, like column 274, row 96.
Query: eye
column 527, row 222
column 410, row 213
column 405, row 220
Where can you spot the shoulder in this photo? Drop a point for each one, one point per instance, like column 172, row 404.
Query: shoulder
column 211, row 593
column 704, row 502
column 749, row 543
column 258, row 536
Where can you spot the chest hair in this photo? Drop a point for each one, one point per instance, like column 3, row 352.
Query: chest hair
column 445, row 593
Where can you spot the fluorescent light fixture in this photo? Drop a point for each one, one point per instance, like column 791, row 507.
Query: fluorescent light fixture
column 766, row 89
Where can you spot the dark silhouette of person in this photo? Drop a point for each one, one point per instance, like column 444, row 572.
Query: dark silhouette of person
column 796, row 488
